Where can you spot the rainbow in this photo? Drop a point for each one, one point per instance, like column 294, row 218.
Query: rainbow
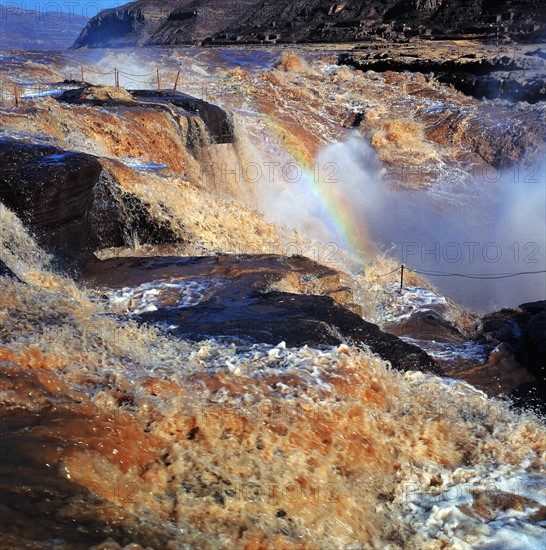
column 339, row 201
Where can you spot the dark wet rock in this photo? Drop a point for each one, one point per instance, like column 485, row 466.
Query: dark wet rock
column 535, row 337
column 501, row 374
column 273, row 317
column 5, row 271
column 217, row 121
column 518, row 363
column 507, row 326
column 263, row 272
column 71, row 204
column 533, row 308
column 118, row 218
column 51, row 190
column 426, row 325
column 246, row 307
column 516, row 79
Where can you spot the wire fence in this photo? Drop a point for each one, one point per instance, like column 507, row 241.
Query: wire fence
column 484, row 276
column 15, row 92
column 479, row 276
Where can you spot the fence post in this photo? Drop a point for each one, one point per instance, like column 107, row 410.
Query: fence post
column 402, row 278
column 158, row 82
column 16, row 94
column 176, row 81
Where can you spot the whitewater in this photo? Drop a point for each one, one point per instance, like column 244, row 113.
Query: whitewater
column 119, row 433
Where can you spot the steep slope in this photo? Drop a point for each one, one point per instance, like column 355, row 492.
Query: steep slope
column 128, row 25
column 327, row 21
column 200, row 19
column 31, row 30
column 153, row 22
column 311, row 20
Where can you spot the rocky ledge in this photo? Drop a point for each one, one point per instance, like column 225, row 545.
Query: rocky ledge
column 483, row 74
column 516, row 367
column 217, row 121
column 247, row 299
column 51, row 190
column 72, row 201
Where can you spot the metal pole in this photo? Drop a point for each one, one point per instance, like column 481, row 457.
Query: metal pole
column 83, row 76
column 176, row 81
column 16, row 94
column 402, row 278
column 158, row 82
column 116, row 77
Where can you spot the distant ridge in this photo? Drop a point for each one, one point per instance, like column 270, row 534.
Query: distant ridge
column 33, row 30
column 171, row 22
column 162, row 22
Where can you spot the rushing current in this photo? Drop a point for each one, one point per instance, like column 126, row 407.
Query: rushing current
column 137, row 411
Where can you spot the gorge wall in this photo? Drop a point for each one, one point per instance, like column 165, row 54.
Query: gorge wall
column 153, row 22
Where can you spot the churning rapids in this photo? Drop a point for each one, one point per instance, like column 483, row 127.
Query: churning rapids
column 204, row 342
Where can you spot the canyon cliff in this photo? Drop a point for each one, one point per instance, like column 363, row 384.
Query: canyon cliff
column 171, row 22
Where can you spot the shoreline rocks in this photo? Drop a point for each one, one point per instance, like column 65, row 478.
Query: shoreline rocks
column 482, row 75
column 245, row 303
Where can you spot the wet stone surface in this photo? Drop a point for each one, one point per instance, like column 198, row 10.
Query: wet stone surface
column 237, row 297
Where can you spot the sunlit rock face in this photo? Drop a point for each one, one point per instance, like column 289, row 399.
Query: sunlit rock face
column 200, row 19
column 161, row 23
column 127, row 25
column 152, row 22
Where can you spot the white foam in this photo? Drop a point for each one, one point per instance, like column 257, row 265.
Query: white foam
column 328, row 69
column 151, row 296
column 447, row 511
column 30, row 93
column 412, row 299
column 451, row 351
column 141, row 165
column 450, row 385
